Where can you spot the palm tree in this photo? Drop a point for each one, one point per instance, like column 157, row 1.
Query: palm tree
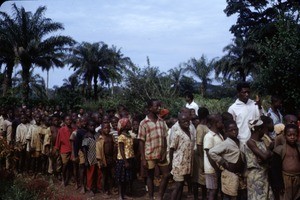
column 37, row 86
column 176, row 75
column 239, row 61
column 97, row 61
column 27, row 34
column 202, row 69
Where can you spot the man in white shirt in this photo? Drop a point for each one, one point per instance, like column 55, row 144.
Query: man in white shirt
column 243, row 110
column 190, row 103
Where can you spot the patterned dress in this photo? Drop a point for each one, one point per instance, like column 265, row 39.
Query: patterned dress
column 257, row 175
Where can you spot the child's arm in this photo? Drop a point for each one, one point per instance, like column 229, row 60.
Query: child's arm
column 122, row 152
column 263, row 155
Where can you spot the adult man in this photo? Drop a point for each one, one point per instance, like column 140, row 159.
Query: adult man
column 181, row 153
column 152, row 135
column 243, row 110
column 190, row 103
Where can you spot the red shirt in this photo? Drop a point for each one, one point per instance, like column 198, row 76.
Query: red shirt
column 63, row 143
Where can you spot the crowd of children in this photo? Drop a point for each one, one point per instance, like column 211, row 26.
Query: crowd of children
column 106, row 151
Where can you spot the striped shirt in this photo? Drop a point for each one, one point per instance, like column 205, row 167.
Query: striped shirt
column 153, row 134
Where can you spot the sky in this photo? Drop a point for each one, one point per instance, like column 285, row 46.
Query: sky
column 169, row 32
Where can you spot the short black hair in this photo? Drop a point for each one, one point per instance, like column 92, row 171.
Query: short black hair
column 227, row 123
column 266, row 119
column 242, row 85
column 275, row 98
column 291, row 126
column 202, row 113
column 189, row 95
column 150, row 102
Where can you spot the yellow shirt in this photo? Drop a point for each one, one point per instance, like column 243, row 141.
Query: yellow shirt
column 128, row 146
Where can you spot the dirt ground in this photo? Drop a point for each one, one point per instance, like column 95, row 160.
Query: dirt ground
column 70, row 193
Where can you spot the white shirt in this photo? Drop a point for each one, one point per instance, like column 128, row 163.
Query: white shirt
column 242, row 113
column 211, row 139
column 194, row 106
column 276, row 119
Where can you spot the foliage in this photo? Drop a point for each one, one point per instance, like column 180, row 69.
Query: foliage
column 201, row 69
column 280, row 72
column 93, row 61
column 26, row 35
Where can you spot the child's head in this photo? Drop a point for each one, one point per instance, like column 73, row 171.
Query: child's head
column 170, row 122
column 290, row 119
column 124, row 125
column 256, row 127
column 196, row 121
column 215, row 121
column 84, row 122
column 114, row 122
column 78, row 123
column 268, row 124
column 291, row 132
column 23, row 119
column 105, row 129
column 135, row 125
column 231, row 129
column 276, row 101
column 203, row 113
column 68, row 120
column 91, row 126
column 38, row 119
column 55, row 120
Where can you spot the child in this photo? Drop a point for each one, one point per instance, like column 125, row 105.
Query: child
column 63, row 145
column 198, row 165
column 89, row 149
column 55, row 163
column 257, row 156
column 125, row 158
column 211, row 139
column 228, row 155
column 34, row 135
column 105, row 156
column 23, row 144
column 288, row 160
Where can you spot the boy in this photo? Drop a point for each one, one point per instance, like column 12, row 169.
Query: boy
column 227, row 154
column 286, row 158
column 63, row 145
column 23, row 144
column 211, row 139
column 181, row 149
column 89, row 149
column 34, row 135
column 105, row 156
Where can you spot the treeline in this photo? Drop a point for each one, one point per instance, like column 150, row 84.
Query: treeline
column 264, row 51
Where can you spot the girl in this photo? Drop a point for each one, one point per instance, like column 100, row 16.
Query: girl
column 125, row 157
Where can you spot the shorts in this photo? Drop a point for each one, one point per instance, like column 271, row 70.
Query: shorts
column 35, row 154
column 178, row 178
column 81, row 157
column 152, row 163
column 65, row 157
column 211, row 181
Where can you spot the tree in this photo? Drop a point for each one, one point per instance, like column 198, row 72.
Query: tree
column 97, row 61
column 176, row 75
column 201, row 69
column 27, row 34
column 239, row 62
column 37, row 86
column 280, row 70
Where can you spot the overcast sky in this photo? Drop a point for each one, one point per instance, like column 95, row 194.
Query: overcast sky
column 169, row 32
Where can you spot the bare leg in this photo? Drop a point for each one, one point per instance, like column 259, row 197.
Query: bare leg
column 150, row 183
column 164, row 182
column 177, row 192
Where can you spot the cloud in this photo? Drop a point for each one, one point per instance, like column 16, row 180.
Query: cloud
column 168, row 31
